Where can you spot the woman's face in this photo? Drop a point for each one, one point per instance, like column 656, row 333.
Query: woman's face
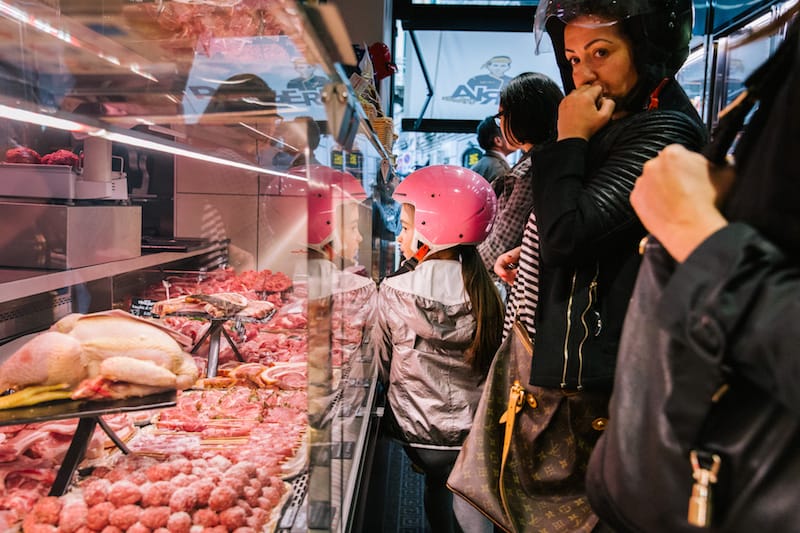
column 351, row 236
column 406, row 237
column 600, row 54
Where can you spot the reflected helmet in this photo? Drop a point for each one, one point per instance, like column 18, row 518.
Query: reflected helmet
column 327, row 189
column 452, row 205
column 659, row 30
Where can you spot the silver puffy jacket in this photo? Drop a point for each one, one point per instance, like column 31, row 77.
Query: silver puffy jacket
column 424, row 325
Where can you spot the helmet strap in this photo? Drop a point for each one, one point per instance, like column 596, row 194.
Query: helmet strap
column 655, row 94
column 411, row 263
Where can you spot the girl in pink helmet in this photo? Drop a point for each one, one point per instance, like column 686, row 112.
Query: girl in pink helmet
column 439, row 323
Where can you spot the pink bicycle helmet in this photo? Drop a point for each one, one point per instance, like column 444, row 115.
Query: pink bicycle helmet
column 327, row 189
column 452, row 205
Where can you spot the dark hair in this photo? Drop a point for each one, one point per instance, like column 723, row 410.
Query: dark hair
column 530, row 108
column 487, row 308
column 487, row 131
column 659, row 31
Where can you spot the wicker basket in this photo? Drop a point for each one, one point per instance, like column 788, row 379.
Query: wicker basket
column 384, row 128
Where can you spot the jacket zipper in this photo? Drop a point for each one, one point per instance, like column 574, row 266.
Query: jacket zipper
column 592, row 294
column 566, row 334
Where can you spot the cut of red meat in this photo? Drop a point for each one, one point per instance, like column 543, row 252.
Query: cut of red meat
column 23, row 154
column 61, row 157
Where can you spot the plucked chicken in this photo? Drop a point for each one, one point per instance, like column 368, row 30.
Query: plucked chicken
column 102, row 355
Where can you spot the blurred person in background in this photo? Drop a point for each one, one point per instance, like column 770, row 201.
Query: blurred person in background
column 492, row 164
column 527, row 117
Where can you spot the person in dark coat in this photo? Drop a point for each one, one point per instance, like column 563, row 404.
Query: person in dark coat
column 579, row 255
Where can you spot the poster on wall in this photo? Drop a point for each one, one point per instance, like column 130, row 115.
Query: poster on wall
column 279, row 78
column 468, row 70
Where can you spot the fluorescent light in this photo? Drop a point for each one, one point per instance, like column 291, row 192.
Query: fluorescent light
column 42, row 119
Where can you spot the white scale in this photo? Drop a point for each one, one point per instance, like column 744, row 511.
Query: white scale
column 63, row 182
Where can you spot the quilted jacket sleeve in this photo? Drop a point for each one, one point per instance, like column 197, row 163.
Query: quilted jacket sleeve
column 580, row 209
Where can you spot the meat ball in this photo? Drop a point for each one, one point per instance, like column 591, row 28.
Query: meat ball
column 219, row 462
column 237, row 482
column 155, row 517
column 98, row 515
column 202, row 489
column 72, row 516
column 183, row 499
column 156, row 494
column 124, row 492
column 251, row 495
column 179, row 522
column 111, row 529
column 182, row 465
column 205, row 518
column 159, row 472
column 258, row 519
column 222, row 498
column 183, row 480
column 46, row 510
column 244, row 529
column 138, row 527
column 96, row 491
column 124, row 517
column 233, row 518
column 272, row 495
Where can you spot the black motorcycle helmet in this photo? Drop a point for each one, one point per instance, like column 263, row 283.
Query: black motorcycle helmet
column 660, row 31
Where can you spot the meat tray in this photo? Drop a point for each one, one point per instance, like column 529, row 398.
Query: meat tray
column 61, row 410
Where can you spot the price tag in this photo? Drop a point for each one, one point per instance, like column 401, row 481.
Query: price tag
column 142, row 307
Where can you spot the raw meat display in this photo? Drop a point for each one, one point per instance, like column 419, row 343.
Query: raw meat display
column 218, row 460
column 61, row 157
column 23, row 154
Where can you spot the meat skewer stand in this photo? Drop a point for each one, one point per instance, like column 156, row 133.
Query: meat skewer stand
column 89, row 414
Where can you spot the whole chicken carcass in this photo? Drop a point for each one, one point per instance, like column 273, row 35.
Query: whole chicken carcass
column 103, row 355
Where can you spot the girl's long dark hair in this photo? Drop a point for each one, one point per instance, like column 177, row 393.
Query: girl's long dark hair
column 486, row 307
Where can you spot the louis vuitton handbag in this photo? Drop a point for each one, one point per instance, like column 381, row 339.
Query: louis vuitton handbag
column 524, row 461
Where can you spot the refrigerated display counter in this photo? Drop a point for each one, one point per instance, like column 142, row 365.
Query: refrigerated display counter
column 156, row 151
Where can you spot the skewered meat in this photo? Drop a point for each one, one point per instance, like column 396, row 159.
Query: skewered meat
column 116, row 354
column 23, row 154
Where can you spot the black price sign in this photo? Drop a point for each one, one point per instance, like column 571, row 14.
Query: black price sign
column 142, row 307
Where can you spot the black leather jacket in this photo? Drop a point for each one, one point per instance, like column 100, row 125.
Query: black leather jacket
column 589, row 236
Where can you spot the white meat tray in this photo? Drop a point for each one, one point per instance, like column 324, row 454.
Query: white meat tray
column 57, row 181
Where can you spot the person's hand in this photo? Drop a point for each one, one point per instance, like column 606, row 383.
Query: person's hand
column 507, row 265
column 677, row 198
column 583, row 112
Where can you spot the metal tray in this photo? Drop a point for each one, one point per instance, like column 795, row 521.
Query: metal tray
column 60, row 410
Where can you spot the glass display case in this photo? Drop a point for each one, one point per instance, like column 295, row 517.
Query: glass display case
column 210, row 151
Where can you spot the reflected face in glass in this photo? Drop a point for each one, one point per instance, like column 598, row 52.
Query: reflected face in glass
column 406, row 237
column 351, row 236
column 600, row 54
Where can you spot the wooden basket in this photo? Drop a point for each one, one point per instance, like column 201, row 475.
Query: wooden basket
column 384, row 129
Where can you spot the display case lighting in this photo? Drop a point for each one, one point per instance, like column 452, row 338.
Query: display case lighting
column 42, row 119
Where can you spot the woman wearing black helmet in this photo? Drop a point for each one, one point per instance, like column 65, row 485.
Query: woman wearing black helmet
column 579, row 256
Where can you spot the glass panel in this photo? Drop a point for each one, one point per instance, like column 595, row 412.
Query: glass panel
column 187, row 143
